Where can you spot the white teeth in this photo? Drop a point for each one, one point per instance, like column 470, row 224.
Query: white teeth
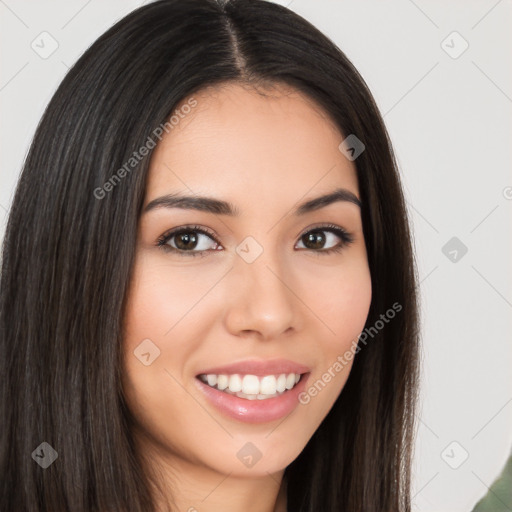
column 267, row 385
column 281, row 383
column 222, row 382
column 290, row 381
column 264, row 397
column 252, row 387
column 235, row 383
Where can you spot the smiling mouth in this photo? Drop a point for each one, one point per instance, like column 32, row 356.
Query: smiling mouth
column 252, row 387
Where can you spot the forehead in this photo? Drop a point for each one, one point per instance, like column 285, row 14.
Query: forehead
column 247, row 147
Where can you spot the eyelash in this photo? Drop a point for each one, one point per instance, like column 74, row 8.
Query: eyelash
column 346, row 237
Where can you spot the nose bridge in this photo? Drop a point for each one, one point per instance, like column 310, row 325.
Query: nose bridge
column 262, row 299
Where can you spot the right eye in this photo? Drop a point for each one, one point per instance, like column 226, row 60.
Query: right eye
column 187, row 241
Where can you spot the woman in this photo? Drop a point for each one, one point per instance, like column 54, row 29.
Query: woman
column 208, row 292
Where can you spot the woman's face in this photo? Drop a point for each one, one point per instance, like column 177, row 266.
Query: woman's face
column 256, row 286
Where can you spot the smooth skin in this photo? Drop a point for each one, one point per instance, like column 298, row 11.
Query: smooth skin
column 265, row 154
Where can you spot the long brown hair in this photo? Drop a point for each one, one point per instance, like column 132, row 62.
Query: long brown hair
column 68, row 255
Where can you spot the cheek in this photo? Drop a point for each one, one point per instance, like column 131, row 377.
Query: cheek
column 343, row 303
column 156, row 298
column 341, row 299
column 348, row 311
column 164, row 303
column 156, row 323
column 152, row 317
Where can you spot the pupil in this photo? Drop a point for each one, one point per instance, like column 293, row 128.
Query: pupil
column 189, row 241
column 317, row 238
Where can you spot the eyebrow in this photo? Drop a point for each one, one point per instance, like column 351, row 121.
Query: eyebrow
column 218, row 207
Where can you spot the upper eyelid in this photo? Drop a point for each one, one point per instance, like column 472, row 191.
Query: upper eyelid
column 176, row 231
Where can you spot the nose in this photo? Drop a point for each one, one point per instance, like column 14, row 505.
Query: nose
column 260, row 299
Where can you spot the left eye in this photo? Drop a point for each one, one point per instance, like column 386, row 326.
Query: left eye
column 317, row 237
column 186, row 241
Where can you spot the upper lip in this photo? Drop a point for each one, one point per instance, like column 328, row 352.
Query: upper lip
column 258, row 367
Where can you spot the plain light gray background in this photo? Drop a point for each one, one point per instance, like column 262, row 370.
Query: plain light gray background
column 449, row 114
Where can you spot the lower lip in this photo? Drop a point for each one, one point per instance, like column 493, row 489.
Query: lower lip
column 254, row 411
